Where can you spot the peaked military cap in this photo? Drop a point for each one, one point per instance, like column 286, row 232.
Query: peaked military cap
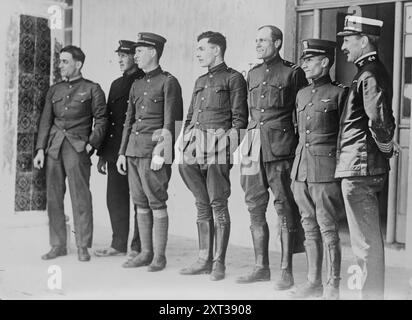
column 361, row 25
column 316, row 47
column 149, row 39
column 126, row 46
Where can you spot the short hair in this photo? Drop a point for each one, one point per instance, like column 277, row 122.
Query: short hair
column 214, row 38
column 275, row 32
column 76, row 52
column 373, row 40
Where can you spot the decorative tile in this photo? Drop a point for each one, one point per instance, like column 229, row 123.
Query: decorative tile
column 22, row 202
column 26, row 53
column 43, row 29
column 26, row 103
column 26, row 123
column 25, row 142
column 39, row 180
column 23, row 182
column 25, row 162
column 42, row 83
column 38, row 200
column 27, row 24
column 25, row 81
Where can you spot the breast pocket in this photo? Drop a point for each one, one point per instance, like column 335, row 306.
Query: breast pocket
column 326, row 117
column 82, row 104
column 253, row 95
column 301, row 114
column 222, row 95
column 275, row 95
column 58, row 104
column 155, row 105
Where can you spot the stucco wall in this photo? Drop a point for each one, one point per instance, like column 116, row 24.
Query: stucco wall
column 104, row 22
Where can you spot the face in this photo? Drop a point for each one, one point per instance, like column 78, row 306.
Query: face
column 126, row 61
column 265, row 46
column 313, row 66
column 69, row 67
column 352, row 47
column 144, row 56
column 206, row 53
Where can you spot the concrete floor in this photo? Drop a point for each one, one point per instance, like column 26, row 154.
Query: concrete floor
column 23, row 275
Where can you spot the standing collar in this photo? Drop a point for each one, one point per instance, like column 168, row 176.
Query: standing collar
column 75, row 80
column 366, row 59
column 132, row 72
column 218, row 68
column 321, row 81
column 273, row 60
column 154, row 72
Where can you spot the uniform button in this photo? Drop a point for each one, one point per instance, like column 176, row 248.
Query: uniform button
column 136, row 133
column 111, row 136
column 127, row 101
column 326, row 110
column 112, row 123
column 205, row 87
column 308, row 118
column 262, row 110
column 307, row 131
column 262, row 96
column 66, row 108
column 261, row 123
column 111, row 112
column 203, row 98
column 267, row 70
column 200, row 110
column 280, row 87
column 142, row 107
column 211, row 76
column 155, row 100
column 310, row 104
column 64, row 130
column 140, row 120
column 68, row 97
column 145, row 93
column 148, row 80
column 314, row 90
column 197, row 123
column 70, row 86
column 307, row 145
column 264, row 83
column 125, row 113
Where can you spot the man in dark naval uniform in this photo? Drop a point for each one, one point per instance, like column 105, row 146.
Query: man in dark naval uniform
column 364, row 147
column 217, row 112
column 317, row 192
column 117, row 194
column 67, row 137
column 155, row 104
column 273, row 86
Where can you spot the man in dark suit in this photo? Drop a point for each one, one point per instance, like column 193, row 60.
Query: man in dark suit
column 68, row 139
column 117, row 195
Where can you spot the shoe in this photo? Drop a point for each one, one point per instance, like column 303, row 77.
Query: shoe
column 199, row 267
column 83, row 254
column 218, row 271
column 158, row 264
column 308, row 290
column 55, row 252
column 108, row 252
column 258, row 274
column 141, row 260
column 331, row 292
column 133, row 253
column 285, row 281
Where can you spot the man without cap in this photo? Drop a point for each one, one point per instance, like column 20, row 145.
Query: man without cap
column 146, row 150
column 273, row 86
column 317, row 192
column 117, row 194
column 364, row 148
column 68, row 138
column 217, row 112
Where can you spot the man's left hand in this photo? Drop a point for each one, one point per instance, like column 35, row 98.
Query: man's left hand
column 157, row 163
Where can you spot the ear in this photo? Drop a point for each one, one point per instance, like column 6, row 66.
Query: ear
column 365, row 41
column 217, row 50
column 278, row 43
column 79, row 65
column 325, row 62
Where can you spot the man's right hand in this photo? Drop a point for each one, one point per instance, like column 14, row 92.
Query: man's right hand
column 38, row 161
column 101, row 165
column 121, row 165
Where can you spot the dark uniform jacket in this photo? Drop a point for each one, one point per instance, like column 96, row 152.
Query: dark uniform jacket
column 318, row 113
column 273, row 86
column 116, row 107
column 69, row 112
column 366, row 120
column 155, row 103
column 218, row 105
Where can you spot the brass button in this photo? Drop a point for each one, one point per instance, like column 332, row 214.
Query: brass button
column 264, row 83
column 111, row 136
column 112, row 123
column 145, row 93
column 280, row 87
column 66, row 108
column 203, row 98
column 211, row 76
column 142, row 107
column 326, row 110
column 200, row 110
column 205, row 87
column 148, row 80
column 307, row 131
column 267, row 70
column 140, row 120
column 197, row 123
column 64, row 130
column 314, row 90
column 308, row 118
column 310, row 104
column 307, row 145
column 137, row 133
column 262, row 96
column 68, row 97
column 262, row 110
column 261, row 123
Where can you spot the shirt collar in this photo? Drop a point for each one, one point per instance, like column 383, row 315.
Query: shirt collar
column 273, row 60
column 75, row 80
column 321, row 81
column 154, row 72
column 218, row 68
column 366, row 58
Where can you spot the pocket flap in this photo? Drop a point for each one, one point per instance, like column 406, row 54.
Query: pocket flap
column 325, row 151
column 326, row 107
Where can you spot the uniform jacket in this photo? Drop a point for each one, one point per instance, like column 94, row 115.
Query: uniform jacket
column 272, row 87
column 218, row 108
column 318, row 113
column 155, row 104
column 69, row 112
column 116, row 107
column 367, row 116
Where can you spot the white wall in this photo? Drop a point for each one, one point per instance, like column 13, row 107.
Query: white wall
column 104, row 22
